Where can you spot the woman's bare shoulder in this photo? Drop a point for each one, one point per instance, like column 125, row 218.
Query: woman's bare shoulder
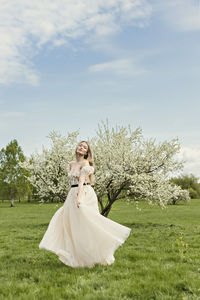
column 72, row 162
column 83, row 164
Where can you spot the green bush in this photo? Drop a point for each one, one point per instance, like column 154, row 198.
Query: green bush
column 188, row 182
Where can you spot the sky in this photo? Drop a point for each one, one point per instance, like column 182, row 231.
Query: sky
column 66, row 65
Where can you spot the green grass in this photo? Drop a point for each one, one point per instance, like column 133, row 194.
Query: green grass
column 153, row 263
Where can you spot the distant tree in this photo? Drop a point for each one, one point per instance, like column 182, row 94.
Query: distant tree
column 3, row 188
column 188, row 182
column 13, row 182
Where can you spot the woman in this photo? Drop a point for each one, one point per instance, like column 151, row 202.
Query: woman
column 78, row 233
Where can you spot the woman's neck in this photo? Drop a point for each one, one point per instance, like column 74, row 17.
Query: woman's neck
column 80, row 159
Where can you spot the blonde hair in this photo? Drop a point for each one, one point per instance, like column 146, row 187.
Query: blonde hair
column 89, row 158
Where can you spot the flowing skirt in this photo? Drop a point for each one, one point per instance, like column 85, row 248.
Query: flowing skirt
column 82, row 237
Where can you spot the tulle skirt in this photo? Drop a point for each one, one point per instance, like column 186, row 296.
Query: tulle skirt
column 82, row 237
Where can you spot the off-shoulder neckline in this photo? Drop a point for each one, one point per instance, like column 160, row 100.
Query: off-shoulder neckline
column 73, row 161
column 77, row 172
column 82, row 168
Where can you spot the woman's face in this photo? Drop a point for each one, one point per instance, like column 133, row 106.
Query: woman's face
column 82, row 148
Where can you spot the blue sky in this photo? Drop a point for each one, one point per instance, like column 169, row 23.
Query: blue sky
column 67, row 65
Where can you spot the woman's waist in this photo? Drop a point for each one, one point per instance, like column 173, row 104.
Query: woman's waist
column 76, row 184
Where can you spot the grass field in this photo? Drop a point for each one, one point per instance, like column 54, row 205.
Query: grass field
column 159, row 260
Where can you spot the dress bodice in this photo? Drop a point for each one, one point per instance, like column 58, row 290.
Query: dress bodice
column 84, row 171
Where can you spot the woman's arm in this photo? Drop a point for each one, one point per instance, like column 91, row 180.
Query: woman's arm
column 80, row 186
column 68, row 170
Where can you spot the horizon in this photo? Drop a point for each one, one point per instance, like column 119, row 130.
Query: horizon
column 66, row 66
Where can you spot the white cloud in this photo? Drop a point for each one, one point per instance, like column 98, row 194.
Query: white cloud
column 59, row 42
column 119, row 67
column 26, row 26
column 182, row 15
column 191, row 156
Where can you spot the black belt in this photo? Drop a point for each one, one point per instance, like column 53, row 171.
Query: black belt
column 73, row 185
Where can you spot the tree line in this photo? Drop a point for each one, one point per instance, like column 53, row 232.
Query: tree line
column 127, row 166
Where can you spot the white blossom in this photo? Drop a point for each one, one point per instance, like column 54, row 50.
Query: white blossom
column 124, row 161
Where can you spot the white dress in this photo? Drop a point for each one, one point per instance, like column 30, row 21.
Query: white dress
column 82, row 237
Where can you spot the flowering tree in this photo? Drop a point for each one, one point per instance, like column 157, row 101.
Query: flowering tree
column 126, row 161
column 126, row 164
column 49, row 169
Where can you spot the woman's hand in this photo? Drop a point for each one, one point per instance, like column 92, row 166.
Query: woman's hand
column 78, row 202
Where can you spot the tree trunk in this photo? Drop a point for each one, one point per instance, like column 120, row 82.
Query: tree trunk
column 12, row 202
column 112, row 197
column 107, row 209
column 173, row 202
column 101, row 204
